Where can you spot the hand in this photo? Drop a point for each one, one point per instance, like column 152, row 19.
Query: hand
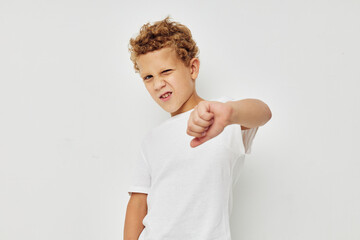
column 207, row 120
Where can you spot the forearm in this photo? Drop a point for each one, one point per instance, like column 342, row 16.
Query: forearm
column 135, row 213
column 249, row 112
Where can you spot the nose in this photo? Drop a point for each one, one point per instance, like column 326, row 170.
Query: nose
column 158, row 83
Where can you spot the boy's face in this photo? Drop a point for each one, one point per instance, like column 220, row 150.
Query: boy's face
column 162, row 71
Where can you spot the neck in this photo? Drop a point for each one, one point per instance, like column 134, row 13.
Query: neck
column 189, row 104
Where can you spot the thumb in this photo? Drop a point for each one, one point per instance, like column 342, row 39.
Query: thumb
column 198, row 141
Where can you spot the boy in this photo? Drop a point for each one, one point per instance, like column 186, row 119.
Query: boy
column 182, row 180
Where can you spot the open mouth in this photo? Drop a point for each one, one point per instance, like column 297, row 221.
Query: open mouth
column 166, row 95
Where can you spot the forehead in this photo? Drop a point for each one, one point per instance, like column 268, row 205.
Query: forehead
column 162, row 58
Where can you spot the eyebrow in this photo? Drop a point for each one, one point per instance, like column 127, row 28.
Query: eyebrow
column 166, row 69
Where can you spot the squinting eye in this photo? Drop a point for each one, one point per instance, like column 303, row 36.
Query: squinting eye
column 146, row 77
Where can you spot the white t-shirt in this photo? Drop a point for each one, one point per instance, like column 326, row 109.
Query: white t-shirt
column 189, row 189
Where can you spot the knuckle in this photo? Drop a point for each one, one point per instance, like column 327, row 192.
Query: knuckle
column 191, row 133
column 196, row 120
column 203, row 115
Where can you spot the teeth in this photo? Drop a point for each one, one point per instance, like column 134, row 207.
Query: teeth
column 165, row 95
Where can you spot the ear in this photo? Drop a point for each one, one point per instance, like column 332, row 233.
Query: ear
column 194, row 68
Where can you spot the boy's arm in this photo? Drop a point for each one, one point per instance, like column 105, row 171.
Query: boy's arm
column 209, row 118
column 249, row 113
column 135, row 213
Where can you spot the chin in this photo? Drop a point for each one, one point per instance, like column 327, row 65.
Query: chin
column 171, row 111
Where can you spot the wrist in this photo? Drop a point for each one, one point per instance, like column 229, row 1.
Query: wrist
column 232, row 116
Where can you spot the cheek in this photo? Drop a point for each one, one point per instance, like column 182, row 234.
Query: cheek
column 149, row 89
column 178, row 81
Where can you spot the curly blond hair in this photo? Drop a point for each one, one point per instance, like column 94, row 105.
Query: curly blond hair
column 164, row 33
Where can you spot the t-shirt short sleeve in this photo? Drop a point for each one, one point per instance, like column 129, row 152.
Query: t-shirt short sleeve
column 248, row 136
column 140, row 179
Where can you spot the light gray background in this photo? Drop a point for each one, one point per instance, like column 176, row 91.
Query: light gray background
column 73, row 112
